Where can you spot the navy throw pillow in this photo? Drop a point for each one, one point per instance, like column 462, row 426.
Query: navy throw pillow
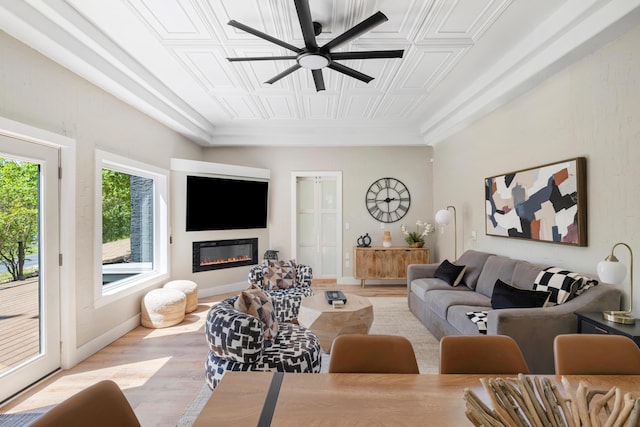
column 506, row 296
column 450, row 273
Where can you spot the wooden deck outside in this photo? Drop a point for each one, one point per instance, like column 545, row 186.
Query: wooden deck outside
column 19, row 322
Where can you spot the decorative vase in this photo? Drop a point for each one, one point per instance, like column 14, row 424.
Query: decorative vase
column 386, row 239
column 416, row 244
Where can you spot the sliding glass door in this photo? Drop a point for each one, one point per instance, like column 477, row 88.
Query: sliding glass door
column 29, row 264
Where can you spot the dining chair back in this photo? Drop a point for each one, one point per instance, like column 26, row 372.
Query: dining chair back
column 595, row 354
column 100, row 405
column 481, row 354
column 358, row 353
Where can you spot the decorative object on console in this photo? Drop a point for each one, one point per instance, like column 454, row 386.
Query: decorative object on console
column 415, row 239
column 388, row 200
column 364, row 241
column 314, row 57
column 270, row 254
column 612, row 271
column 444, row 217
column 386, row 239
column 546, row 203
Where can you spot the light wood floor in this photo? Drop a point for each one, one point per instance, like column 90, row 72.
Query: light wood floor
column 159, row 370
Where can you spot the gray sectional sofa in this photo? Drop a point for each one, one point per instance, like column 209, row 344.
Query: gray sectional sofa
column 443, row 308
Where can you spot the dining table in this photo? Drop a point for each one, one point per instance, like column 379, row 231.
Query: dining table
column 298, row 399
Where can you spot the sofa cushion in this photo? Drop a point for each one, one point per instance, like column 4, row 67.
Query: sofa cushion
column 450, row 273
column 525, row 273
column 474, row 261
column 496, row 267
column 440, row 301
column 421, row 286
column 506, row 296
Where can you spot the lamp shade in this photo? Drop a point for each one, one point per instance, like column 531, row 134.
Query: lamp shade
column 612, row 272
column 443, row 217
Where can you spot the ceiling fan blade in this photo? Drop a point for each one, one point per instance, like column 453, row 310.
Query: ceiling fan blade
column 306, row 24
column 285, row 73
column 318, row 80
column 261, row 58
column 350, row 72
column 264, row 36
column 368, row 54
column 361, row 28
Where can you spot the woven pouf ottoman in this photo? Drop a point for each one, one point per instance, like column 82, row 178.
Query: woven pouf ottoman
column 190, row 289
column 162, row 308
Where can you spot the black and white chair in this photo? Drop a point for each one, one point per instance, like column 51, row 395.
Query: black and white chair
column 294, row 279
column 236, row 343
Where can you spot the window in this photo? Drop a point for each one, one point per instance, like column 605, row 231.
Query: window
column 132, row 224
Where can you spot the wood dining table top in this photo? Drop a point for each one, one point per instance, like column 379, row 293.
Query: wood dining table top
column 361, row 399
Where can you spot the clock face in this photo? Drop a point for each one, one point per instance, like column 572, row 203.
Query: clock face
column 388, row 200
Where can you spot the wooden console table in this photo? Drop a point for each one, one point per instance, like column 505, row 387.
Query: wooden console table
column 386, row 263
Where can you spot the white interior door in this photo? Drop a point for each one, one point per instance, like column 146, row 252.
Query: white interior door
column 317, row 226
column 29, row 306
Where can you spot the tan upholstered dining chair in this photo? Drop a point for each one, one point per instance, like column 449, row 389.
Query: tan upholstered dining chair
column 358, row 353
column 594, row 354
column 481, row 354
column 100, row 405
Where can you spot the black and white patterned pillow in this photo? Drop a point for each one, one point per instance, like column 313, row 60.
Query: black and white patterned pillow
column 480, row 319
column 563, row 284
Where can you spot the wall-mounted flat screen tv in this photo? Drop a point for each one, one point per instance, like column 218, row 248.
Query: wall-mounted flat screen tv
column 225, row 204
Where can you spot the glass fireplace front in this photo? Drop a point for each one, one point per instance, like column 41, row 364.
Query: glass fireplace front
column 218, row 254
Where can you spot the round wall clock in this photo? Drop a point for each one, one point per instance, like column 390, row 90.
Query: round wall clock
column 388, row 200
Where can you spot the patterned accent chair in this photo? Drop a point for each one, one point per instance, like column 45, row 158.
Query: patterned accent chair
column 236, row 343
column 286, row 302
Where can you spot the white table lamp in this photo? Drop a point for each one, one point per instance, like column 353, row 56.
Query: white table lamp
column 613, row 271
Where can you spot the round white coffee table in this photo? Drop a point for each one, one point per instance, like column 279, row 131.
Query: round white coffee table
column 317, row 315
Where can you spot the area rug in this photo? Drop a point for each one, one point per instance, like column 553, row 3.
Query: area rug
column 19, row 419
column 391, row 316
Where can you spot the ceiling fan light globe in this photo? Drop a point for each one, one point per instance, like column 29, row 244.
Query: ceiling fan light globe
column 313, row 61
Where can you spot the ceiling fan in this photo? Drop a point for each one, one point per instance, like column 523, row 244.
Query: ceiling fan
column 314, row 57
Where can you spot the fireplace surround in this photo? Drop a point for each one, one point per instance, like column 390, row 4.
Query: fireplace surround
column 219, row 254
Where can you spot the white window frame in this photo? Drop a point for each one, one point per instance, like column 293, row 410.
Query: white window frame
column 160, row 272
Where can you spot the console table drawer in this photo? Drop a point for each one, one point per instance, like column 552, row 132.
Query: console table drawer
column 594, row 323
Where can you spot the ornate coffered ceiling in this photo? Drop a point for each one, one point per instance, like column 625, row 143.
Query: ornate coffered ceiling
column 168, row 58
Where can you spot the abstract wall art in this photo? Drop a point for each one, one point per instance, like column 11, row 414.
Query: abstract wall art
column 546, row 203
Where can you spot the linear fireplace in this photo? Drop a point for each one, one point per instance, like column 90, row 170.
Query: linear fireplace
column 218, row 254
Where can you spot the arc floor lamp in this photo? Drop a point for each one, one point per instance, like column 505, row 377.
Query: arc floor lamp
column 443, row 218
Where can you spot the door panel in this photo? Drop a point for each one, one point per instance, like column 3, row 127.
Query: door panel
column 318, row 218
column 30, row 317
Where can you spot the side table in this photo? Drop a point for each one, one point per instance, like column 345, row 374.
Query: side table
column 594, row 323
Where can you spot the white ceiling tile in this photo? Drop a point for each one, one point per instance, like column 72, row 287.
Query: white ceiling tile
column 171, row 19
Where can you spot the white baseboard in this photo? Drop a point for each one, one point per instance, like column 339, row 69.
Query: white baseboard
column 224, row 289
column 100, row 342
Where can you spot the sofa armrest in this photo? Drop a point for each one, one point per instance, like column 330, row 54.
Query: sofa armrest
column 534, row 329
column 420, row 271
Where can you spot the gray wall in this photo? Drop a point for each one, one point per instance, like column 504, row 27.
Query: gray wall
column 590, row 109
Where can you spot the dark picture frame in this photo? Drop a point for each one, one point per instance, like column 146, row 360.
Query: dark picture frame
column 546, row 203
